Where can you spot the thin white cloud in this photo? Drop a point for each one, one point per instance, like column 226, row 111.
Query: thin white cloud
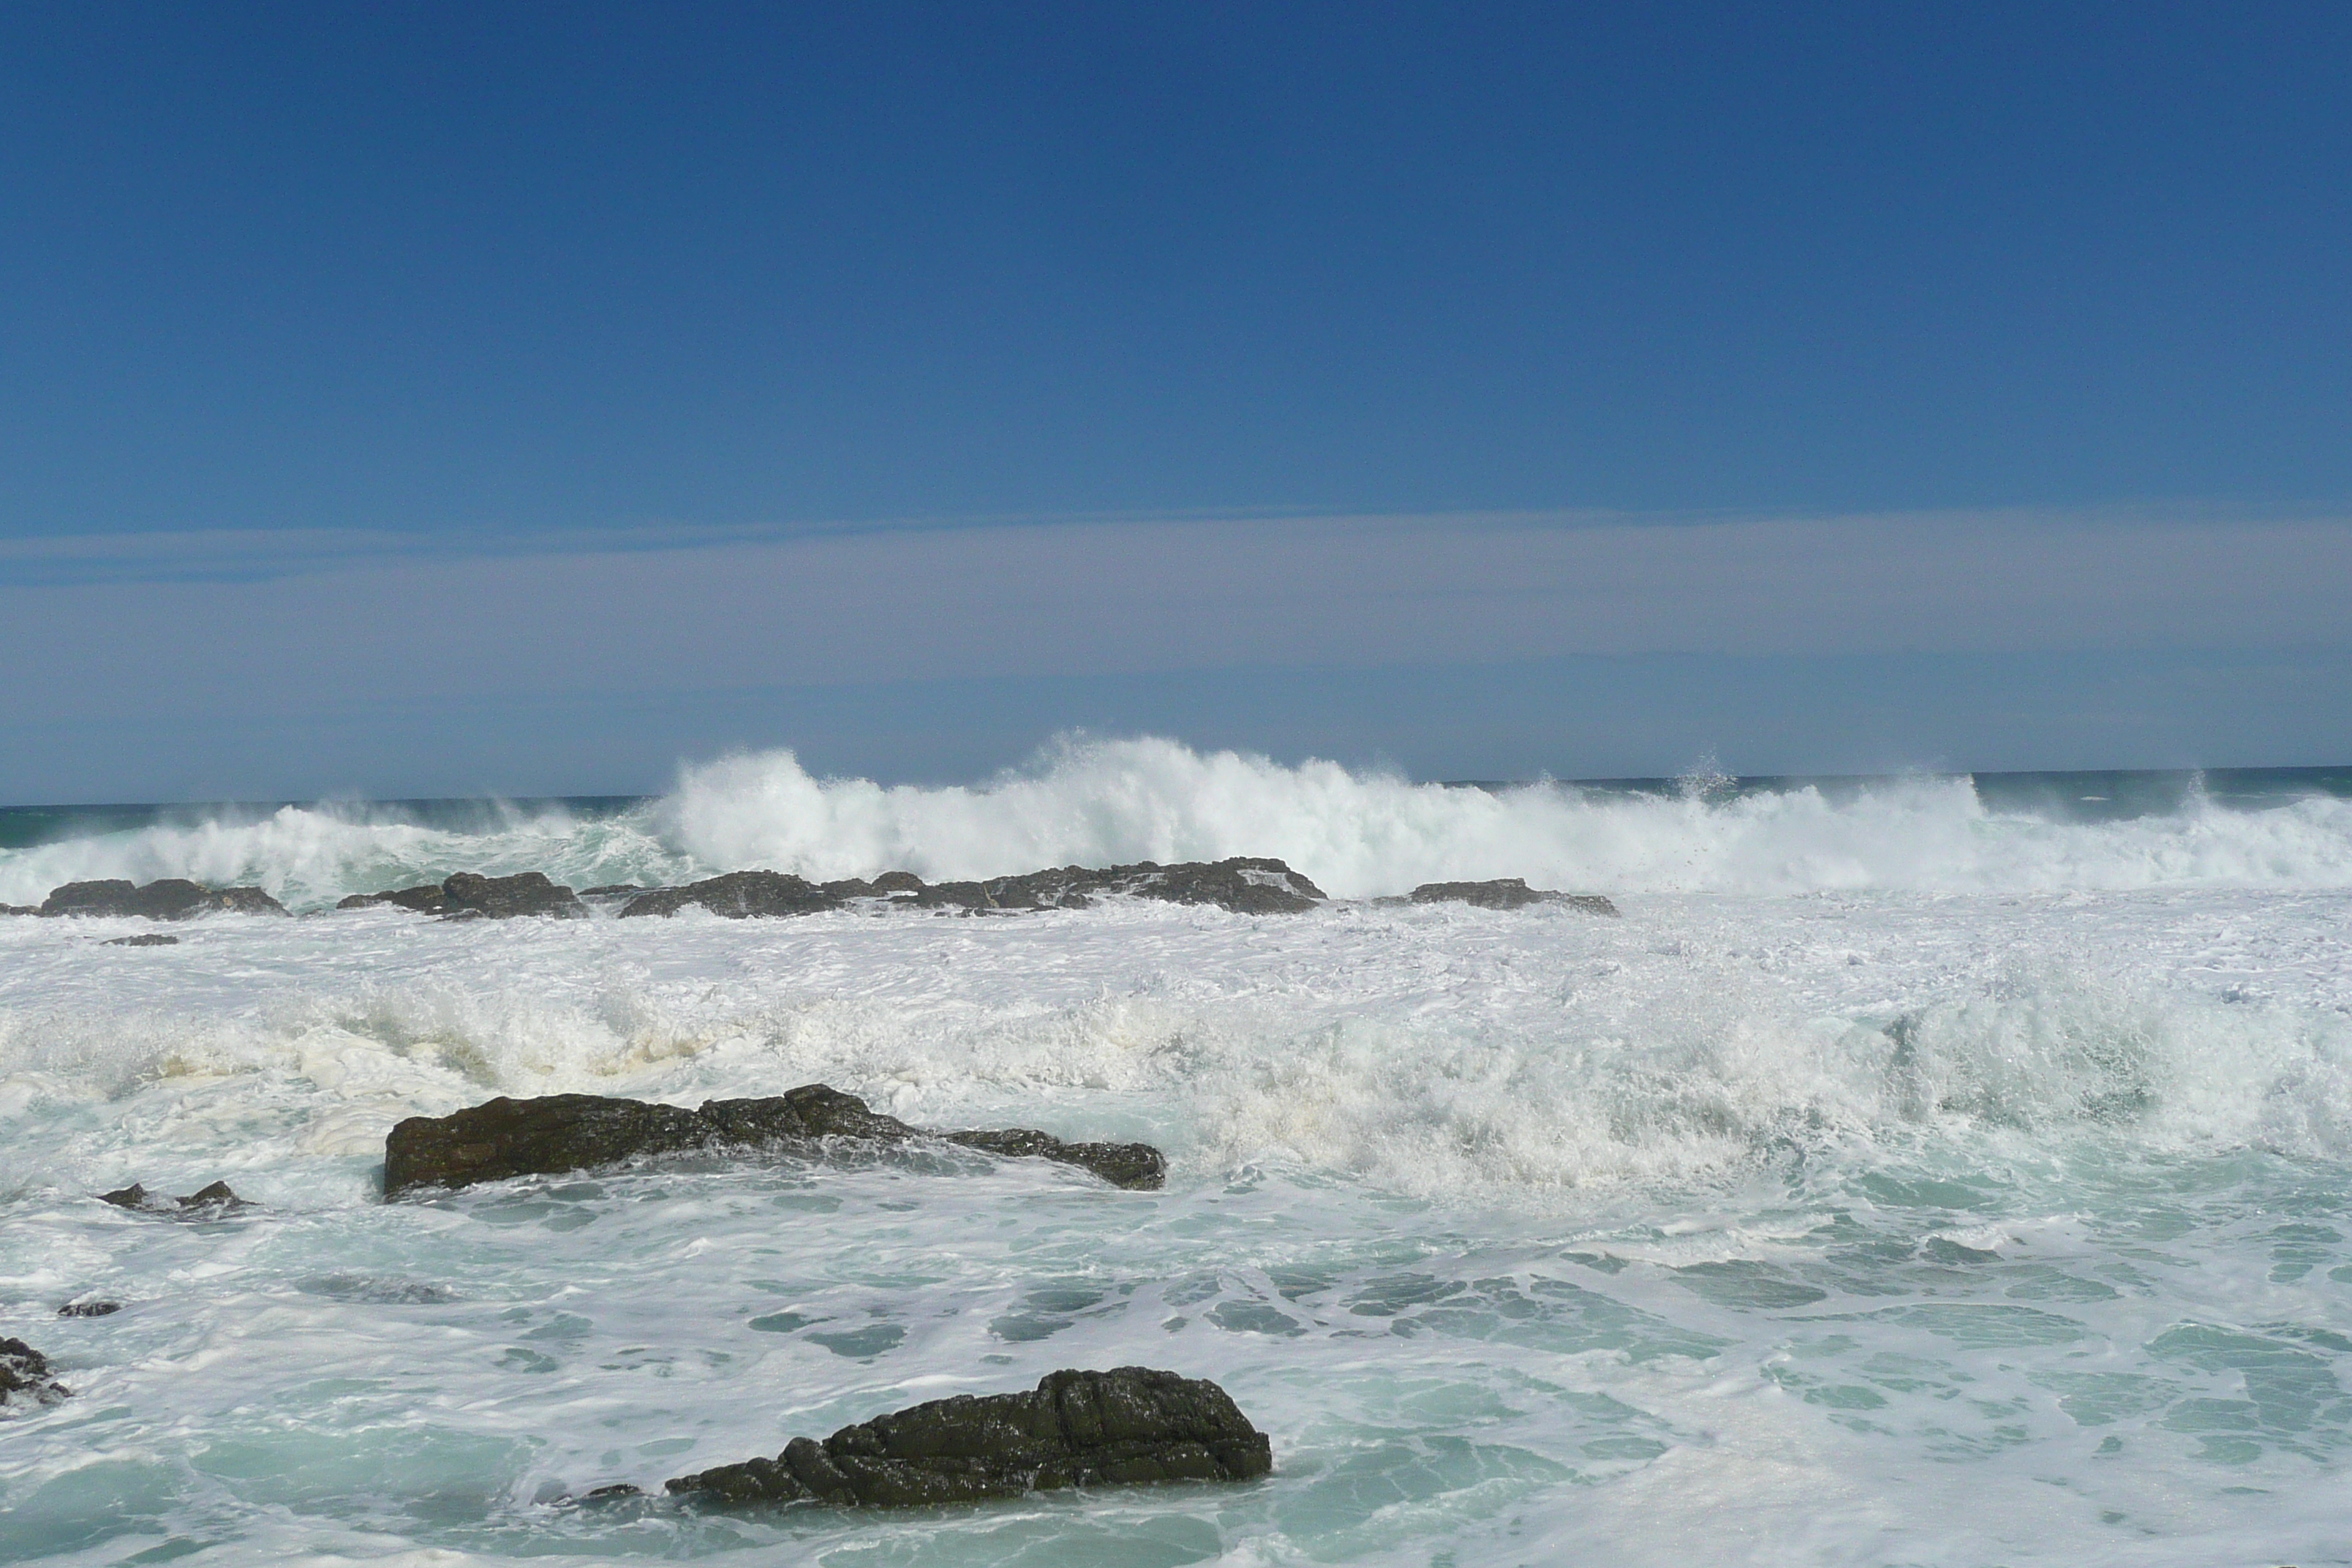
column 1141, row 596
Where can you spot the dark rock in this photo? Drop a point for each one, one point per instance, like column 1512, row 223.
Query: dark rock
column 1137, row 1166
column 504, row 1138
column 216, row 1196
column 739, row 895
column 1506, row 894
column 558, row 1132
column 1243, row 886
column 89, row 1309
column 1122, row 1427
column 202, row 1204
column 428, row 900
column 172, row 898
column 20, row 909
column 505, row 897
column 25, row 1372
column 954, row 895
column 147, row 939
column 614, row 890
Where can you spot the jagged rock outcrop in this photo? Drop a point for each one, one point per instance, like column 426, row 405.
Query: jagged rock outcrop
column 739, row 895
column 1127, row 1426
column 557, row 1132
column 468, row 895
column 1506, row 893
column 25, row 1375
column 505, row 897
column 145, row 939
column 204, row 1203
column 1244, row 886
column 89, row 1309
column 172, row 898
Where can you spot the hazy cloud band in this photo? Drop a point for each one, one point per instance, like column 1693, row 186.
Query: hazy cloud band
column 1138, row 596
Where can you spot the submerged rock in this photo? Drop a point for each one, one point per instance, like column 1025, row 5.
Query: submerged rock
column 24, row 1374
column 428, row 900
column 558, row 1132
column 1506, row 894
column 1122, row 1427
column 204, row 1203
column 1136, row 1166
column 89, row 1309
column 146, row 939
column 739, row 895
column 172, row 898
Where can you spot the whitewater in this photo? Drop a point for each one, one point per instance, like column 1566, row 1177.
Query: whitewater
column 1918, row 1173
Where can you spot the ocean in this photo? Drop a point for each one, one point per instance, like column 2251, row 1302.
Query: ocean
column 1925, row 1170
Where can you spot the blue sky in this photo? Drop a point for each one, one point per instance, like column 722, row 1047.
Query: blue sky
column 373, row 380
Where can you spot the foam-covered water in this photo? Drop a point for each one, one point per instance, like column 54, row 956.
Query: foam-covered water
column 1903, row 1179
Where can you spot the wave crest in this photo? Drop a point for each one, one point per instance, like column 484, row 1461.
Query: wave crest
column 1357, row 833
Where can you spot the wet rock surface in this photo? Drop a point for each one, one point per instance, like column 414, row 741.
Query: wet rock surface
column 428, row 900
column 1136, row 1166
column 89, row 1309
column 205, row 1203
column 471, row 896
column 1506, row 893
column 1127, row 1426
column 553, row 1133
column 25, row 1375
column 739, row 895
column 506, row 897
column 1242, row 884
column 172, row 898
column 152, row 939
column 1246, row 886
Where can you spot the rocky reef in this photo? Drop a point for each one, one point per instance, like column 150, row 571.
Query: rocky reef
column 25, row 1375
column 1505, row 893
column 172, row 898
column 557, row 1132
column 1127, row 1426
column 469, row 895
column 1244, row 886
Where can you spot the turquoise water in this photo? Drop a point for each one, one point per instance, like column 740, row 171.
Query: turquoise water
column 1908, row 1177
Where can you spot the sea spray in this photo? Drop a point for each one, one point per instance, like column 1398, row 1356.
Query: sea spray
column 1359, row 835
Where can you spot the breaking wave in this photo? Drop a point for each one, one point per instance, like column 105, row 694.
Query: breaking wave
column 1357, row 833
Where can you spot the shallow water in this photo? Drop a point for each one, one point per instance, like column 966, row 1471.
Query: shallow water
column 1979, row 1220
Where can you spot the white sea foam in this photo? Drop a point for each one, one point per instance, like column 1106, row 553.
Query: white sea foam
column 1897, row 1181
column 1361, row 835
column 1358, row 834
